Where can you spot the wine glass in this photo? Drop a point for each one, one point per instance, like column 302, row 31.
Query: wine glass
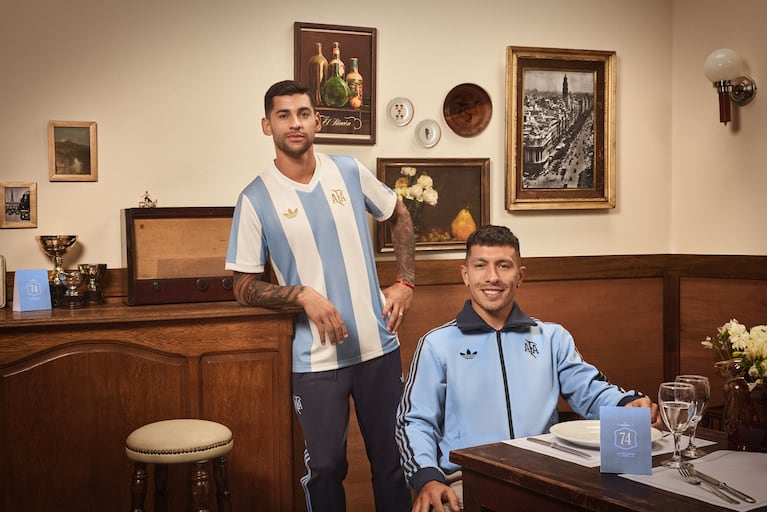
column 677, row 407
column 702, row 395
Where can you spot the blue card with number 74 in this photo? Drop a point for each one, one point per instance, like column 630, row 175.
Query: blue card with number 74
column 625, row 442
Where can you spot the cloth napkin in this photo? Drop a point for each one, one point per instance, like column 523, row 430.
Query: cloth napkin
column 744, row 471
column 663, row 445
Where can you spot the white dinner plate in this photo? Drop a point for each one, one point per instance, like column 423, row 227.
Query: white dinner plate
column 586, row 432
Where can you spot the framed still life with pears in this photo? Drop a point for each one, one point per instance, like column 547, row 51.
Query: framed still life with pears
column 447, row 199
column 338, row 64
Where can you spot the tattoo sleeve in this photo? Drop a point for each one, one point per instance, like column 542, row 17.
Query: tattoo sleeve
column 403, row 241
column 252, row 290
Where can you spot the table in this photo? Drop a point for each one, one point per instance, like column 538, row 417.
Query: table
column 498, row 476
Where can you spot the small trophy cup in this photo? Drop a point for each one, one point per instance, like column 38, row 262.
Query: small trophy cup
column 55, row 246
column 93, row 272
column 72, row 280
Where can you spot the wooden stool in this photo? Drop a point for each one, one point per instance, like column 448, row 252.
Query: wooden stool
column 175, row 442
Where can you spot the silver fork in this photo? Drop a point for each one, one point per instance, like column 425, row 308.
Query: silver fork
column 690, row 478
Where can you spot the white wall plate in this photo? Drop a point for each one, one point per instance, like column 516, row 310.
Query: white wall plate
column 400, row 110
column 428, row 133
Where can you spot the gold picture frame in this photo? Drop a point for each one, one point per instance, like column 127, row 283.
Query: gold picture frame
column 19, row 201
column 72, row 152
column 560, row 129
column 451, row 196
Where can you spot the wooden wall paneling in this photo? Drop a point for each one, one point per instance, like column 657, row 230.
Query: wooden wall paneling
column 671, row 328
column 617, row 324
column 705, row 305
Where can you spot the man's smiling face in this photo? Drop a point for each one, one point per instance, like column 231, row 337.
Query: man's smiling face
column 493, row 274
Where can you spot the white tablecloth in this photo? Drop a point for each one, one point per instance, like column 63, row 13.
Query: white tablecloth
column 744, row 471
column 664, row 445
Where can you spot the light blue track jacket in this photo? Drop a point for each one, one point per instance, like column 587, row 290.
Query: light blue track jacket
column 470, row 385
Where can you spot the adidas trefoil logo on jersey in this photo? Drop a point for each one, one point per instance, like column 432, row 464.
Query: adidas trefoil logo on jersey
column 468, row 354
column 291, row 213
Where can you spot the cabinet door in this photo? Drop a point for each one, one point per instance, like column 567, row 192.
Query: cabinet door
column 246, row 391
column 66, row 415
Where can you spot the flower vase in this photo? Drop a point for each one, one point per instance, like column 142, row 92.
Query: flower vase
column 745, row 410
column 415, row 208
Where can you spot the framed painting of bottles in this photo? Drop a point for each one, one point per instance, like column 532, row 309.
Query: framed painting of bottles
column 447, row 199
column 338, row 65
column 560, row 129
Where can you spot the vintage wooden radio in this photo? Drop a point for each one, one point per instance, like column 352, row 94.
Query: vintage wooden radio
column 176, row 255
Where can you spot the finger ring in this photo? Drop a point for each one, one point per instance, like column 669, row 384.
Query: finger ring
column 401, row 314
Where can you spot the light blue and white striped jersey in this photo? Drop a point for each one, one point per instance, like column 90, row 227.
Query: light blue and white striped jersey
column 317, row 235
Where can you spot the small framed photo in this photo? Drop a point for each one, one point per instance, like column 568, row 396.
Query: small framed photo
column 72, row 154
column 19, row 204
column 338, row 64
column 560, row 131
column 446, row 197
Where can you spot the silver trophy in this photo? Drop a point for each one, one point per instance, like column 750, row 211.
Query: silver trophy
column 93, row 272
column 72, row 297
column 55, row 246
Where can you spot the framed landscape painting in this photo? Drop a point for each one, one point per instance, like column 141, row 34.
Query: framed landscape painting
column 72, row 154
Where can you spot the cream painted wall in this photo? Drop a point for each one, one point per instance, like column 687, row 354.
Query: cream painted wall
column 719, row 185
column 176, row 88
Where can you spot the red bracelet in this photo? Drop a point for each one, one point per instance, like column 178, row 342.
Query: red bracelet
column 405, row 283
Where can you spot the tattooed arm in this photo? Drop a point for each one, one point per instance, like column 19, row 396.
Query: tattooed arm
column 399, row 296
column 252, row 290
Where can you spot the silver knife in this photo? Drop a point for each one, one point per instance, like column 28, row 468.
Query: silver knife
column 567, row 449
column 721, row 485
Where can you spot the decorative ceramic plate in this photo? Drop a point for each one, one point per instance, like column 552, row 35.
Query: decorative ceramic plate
column 400, row 110
column 428, row 133
column 467, row 109
column 586, row 432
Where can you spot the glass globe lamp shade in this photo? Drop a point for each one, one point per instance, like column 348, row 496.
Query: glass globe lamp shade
column 722, row 65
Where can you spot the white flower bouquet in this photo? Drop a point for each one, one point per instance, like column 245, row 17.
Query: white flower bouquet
column 734, row 340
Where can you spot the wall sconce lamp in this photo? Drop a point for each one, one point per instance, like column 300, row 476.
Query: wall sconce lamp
column 722, row 67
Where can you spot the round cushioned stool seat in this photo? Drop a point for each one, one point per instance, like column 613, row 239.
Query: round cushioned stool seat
column 178, row 441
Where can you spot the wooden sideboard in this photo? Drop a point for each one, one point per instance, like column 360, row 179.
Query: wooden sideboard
column 75, row 383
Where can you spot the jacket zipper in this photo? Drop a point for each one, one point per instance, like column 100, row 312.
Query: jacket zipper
column 505, row 383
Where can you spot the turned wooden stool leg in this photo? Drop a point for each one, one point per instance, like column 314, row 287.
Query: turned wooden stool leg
column 200, row 488
column 161, row 488
column 221, row 477
column 181, row 441
column 138, row 487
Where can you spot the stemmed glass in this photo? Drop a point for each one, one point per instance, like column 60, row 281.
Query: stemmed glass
column 702, row 395
column 677, row 408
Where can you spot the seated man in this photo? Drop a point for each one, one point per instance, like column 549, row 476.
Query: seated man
column 491, row 374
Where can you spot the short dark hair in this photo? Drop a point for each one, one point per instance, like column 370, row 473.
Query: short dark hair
column 285, row 88
column 492, row 236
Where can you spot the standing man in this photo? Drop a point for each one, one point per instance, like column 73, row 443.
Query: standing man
column 491, row 374
column 307, row 214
